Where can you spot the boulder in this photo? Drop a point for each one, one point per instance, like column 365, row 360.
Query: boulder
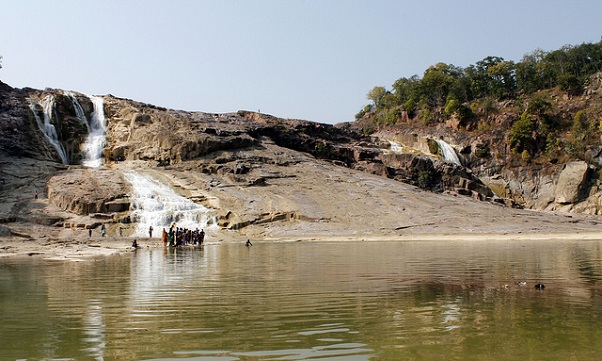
column 546, row 193
column 571, row 182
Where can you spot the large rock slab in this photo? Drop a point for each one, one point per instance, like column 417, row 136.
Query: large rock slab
column 86, row 191
column 571, row 182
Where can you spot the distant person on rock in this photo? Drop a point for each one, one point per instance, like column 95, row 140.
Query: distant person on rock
column 89, row 232
column 135, row 244
column 103, row 230
column 150, row 232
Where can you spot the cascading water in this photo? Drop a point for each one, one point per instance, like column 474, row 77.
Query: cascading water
column 395, row 147
column 449, row 154
column 46, row 126
column 156, row 204
column 94, row 145
column 97, row 137
column 79, row 110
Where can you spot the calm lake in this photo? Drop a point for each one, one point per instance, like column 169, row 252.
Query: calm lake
column 427, row 300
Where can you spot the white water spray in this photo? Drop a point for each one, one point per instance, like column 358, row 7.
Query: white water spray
column 449, row 154
column 94, row 145
column 395, row 147
column 46, row 125
column 156, row 204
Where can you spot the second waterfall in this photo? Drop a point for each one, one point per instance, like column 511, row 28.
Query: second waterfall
column 156, row 204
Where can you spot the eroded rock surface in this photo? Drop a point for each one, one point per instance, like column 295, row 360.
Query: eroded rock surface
column 261, row 176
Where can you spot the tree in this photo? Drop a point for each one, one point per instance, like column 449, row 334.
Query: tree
column 492, row 76
column 406, row 89
column 503, row 83
column 0, row 61
column 377, row 94
column 437, row 82
column 571, row 84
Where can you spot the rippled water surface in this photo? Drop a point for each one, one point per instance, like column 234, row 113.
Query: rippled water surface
column 310, row 301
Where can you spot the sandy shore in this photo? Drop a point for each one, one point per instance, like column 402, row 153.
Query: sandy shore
column 89, row 248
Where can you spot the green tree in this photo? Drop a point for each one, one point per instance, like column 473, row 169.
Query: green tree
column 492, row 76
column 530, row 74
column 540, row 105
column 437, row 82
column 406, row 89
column 571, row 84
column 502, row 79
column 377, row 94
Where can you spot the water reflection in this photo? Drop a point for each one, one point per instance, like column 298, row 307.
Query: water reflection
column 301, row 301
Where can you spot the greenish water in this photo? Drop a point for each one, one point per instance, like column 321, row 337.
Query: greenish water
column 310, row 301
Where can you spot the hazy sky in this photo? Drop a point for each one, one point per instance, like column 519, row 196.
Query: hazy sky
column 306, row 59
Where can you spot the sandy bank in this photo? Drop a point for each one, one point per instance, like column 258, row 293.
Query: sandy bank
column 88, row 249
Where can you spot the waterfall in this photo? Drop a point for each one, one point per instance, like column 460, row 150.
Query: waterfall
column 94, row 145
column 449, row 154
column 156, row 204
column 79, row 111
column 46, row 125
column 395, row 147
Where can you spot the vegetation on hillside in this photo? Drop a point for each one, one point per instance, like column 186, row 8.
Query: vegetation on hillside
column 472, row 96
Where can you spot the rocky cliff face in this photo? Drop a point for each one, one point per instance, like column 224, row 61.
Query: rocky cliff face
column 565, row 177
column 252, row 170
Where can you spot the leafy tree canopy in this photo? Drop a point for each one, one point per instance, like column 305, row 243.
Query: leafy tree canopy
column 493, row 77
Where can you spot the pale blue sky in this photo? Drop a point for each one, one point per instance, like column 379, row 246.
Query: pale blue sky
column 306, row 59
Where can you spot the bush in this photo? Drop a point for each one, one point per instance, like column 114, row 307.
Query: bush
column 427, row 116
column 553, row 144
column 451, row 106
column 482, row 152
column 367, row 109
column 360, row 115
column 526, row 156
column 579, row 123
column 425, row 179
column 392, row 116
column 433, row 146
column 521, row 133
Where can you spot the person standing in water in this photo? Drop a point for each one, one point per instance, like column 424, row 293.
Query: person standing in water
column 150, row 232
column 164, row 237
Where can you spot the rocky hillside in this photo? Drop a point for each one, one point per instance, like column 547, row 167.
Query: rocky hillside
column 553, row 163
column 258, row 175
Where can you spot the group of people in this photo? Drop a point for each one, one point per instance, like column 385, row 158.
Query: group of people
column 182, row 236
